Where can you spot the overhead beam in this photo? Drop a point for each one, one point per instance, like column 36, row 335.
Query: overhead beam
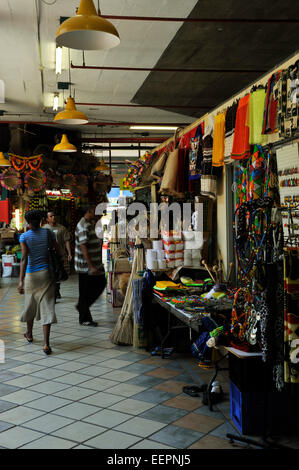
column 203, row 20
column 100, row 124
column 118, row 105
column 148, row 69
column 122, row 140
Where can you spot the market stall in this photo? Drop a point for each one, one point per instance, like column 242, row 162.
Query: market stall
column 241, row 163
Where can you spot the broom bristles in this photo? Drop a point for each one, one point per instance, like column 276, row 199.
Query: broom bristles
column 115, row 332
column 125, row 335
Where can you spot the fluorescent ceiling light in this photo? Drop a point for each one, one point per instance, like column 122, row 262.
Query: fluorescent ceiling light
column 55, row 102
column 154, row 128
column 58, row 59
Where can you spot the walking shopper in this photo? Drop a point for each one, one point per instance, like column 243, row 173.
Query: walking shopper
column 89, row 266
column 38, row 287
column 63, row 238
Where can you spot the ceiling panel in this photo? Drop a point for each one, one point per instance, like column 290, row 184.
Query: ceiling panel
column 222, row 45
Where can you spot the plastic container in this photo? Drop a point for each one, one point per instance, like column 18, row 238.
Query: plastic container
column 157, row 245
column 196, row 254
column 152, row 264
column 189, row 235
column 7, row 262
column 162, row 264
column 151, row 254
column 160, row 255
column 170, row 264
column 179, row 246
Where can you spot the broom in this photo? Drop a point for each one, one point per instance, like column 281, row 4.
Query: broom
column 123, row 330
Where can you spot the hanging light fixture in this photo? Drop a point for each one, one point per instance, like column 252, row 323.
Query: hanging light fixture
column 64, row 146
column 4, row 161
column 87, row 30
column 70, row 115
column 102, row 166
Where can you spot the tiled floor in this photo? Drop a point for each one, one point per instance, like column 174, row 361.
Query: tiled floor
column 91, row 393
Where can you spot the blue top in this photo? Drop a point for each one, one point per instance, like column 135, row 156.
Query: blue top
column 37, row 244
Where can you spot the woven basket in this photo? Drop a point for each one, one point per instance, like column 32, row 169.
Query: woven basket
column 81, row 186
column 69, row 181
column 35, row 180
column 11, row 179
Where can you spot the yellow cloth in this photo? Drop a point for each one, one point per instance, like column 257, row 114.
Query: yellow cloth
column 255, row 117
column 168, row 285
column 218, row 140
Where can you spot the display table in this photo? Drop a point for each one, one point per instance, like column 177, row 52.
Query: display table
column 185, row 317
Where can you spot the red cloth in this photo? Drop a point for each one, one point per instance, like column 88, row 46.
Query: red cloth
column 241, row 147
column 4, row 211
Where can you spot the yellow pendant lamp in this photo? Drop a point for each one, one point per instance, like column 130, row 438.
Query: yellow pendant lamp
column 87, row 30
column 70, row 115
column 64, row 146
column 102, row 166
column 4, row 161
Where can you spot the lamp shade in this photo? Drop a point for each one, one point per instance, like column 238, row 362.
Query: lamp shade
column 70, row 115
column 87, row 30
column 4, row 161
column 64, row 146
column 102, row 166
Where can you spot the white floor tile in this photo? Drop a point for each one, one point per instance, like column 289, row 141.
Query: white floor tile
column 108, row 418
column 22, row 396
column 134, row 407
column 102, row 399
column 79, row 431
column 140, row 427
column 50, row 442
column 16, row 437
column 47, row 423
column 77, row 410
column 112, row 440
column 19, row 415
column 48, row 403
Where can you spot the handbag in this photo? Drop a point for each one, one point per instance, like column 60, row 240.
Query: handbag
column 56, row 266
column 208, row 186
column 158, row 167
column 169, row 184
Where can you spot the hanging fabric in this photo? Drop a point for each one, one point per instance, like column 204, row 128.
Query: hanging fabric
column 230, row 121
column 241, row 147
column 270, row 121
column 255, row 115
column 195, row 154
column 218, row 140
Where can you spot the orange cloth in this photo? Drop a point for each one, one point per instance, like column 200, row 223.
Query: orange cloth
column 218, row 140
column 241, row 147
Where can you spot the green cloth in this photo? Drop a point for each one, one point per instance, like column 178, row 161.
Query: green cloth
column 255, row 118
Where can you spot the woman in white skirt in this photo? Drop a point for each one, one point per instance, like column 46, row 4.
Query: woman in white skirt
column 35, row 279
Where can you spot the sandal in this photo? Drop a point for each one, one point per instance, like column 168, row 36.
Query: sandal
column 47, row 351
column 30, row 340
column 194, row 391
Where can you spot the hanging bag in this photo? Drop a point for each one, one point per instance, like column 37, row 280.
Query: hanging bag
column 56, row 267
column 158, row 167
column 170, row 178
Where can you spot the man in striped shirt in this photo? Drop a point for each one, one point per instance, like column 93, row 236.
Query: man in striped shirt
column 89, row 266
